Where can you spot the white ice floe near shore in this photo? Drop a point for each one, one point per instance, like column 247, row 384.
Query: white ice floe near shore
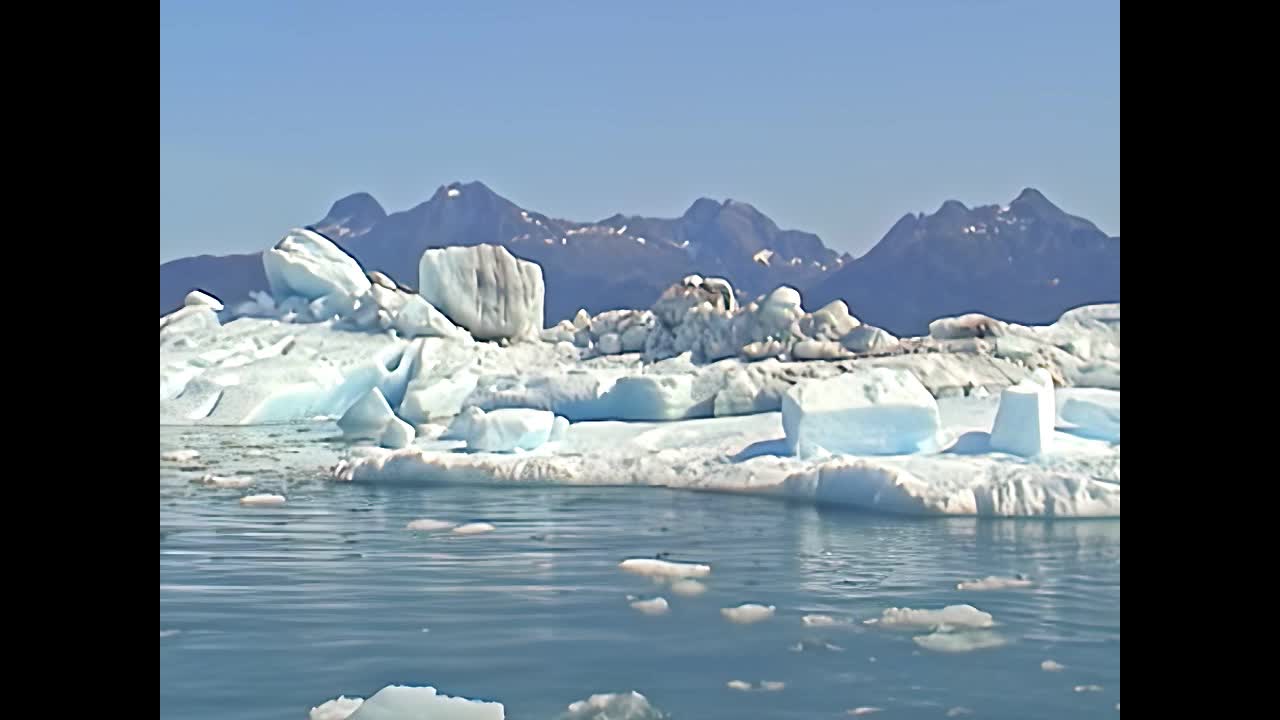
column 695, row 392
column 397, row 702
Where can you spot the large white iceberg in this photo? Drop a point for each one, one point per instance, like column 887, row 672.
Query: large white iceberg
column 1025, row 421
column 864, row 412
column 485, row 289
column 307, row 265
column 398, row 702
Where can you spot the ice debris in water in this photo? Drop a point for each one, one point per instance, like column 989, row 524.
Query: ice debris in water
column 955, row 616
column 664, row 568
column 959, row 710
column 805, row 645
column 864, row 710
column 944, row 641
column 738, row 685
column 653, row 606
column 772, row 685
column 614, row 706
column 1052, row 666
column 226, row 482
column 822, row 621
column 427, row 525
column 179, row 455
column 474, row 528
column 339, row 708
column 1088, row 688
column 688, row 588
column 994, row 582
column 262, row 499
column 168, row 633
column 748, row 613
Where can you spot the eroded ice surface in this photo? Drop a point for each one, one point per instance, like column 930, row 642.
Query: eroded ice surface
column 398, row 702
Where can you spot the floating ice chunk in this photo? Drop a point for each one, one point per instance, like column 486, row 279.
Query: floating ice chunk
column 368, row 416
column 654, row 397
column 868, row 339
column 609, row 344
column 1088, row 688
column 614, row 706
column 396, row 434
column 822, row 621
column 863, row 711
column 1052, row 666
column 1024, row 421
column 955, row 616
column 664, row 568
column 396, row 702
column 475, row 528
column 959, row 642
column 263, row 499
column 688, row 588
column 419, row 318
column 738, row 685
column 864, row 412
column 559, row 429
column 306, row 265
column 818, row 350
column 436, row 397
column 428, row 525
column 958, row 711
column 1094, row 411
column 653, row 606
column 226, row 482
column 199, row 298
column 339, row 708
column 804, row 645
column 168, row 633
column 993, row 582
column 509, row 429
column 180, row 455
column 973, row 325
column 485, row 289
column 748, row 613
column 772, row 685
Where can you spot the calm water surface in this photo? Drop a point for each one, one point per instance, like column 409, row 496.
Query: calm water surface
column 265, row 612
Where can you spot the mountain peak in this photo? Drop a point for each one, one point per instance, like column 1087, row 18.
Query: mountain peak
column 360, row 206
column 1033, row 202
column 702, row 210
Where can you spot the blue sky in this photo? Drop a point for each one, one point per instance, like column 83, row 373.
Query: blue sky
column 835, row 117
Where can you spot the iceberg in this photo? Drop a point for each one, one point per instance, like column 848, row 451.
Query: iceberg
column 396, row 702
column 864, row 412
column 307, row 265
column 509, row 429
column 485, row 289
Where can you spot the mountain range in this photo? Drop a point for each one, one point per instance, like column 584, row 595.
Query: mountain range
column 1025, row 262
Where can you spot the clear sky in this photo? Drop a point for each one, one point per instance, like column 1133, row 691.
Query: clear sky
column 835, row 117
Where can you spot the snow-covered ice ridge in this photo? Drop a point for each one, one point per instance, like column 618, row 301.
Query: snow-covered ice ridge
column 695, row 391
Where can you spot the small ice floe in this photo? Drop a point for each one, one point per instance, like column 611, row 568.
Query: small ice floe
column 1052, row 666
column 218, row 481
column 622, row 706
column 688, row 588
column 475, row 528
column 772, row 685
column 993, row 582
column 168, row 633
column 864, row 711
column 822, row 621
column 959, row 710
column 738, row 685
column 954, row 616
column 815, row 645
column 959, row 642
column 427, row 525
column 180, row 455
column 664, row 568
column 1088, row 688
column 652, row 606
column 264, row 499
column 748, row 613
column 339, row 708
